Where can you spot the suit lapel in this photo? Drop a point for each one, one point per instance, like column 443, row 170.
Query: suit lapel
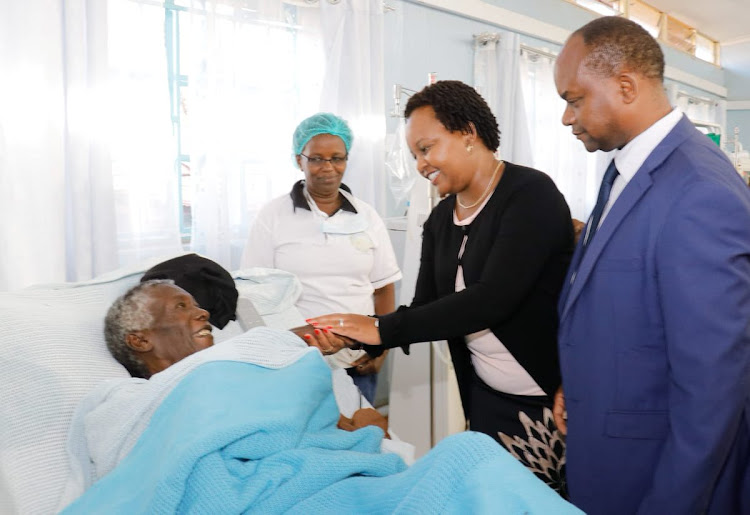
column 627, row 200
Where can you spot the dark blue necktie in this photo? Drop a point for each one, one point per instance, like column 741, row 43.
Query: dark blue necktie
column 604, row 190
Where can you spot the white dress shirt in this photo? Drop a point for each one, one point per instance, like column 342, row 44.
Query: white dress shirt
column 631, row 157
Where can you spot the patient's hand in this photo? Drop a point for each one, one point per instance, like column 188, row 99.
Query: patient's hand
column 367, row 365
column 325, row 340
column 362, row 418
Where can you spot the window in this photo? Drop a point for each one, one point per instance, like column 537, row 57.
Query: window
column 645, row 16
column 706, row 48
column 680, row 35
column 239, row 80
column 603, row 7
column 664, row 27
column 140, row 139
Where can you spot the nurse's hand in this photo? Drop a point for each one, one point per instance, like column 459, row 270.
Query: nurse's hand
column 325, row 340
column 360, row 328
column 367, row 365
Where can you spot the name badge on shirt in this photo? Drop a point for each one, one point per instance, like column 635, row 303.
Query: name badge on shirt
column 345, row 223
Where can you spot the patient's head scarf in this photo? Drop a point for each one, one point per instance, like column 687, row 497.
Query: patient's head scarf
column 211, row 286
column 321, row 123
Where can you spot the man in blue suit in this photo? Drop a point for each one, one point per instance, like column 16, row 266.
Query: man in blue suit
column 655, row 314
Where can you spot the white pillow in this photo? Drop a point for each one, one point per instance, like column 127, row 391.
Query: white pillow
column 52, row 353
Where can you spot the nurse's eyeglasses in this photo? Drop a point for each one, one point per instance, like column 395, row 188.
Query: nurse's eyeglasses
column 317, row 162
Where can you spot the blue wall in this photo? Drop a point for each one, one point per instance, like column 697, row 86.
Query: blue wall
column 738, row 83
column 420, row 40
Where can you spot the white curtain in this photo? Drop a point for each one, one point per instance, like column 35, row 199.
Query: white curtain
column 353, row 89
column 32, row 144
column 72, row 130
column 497, row 77
column 89, row 146
column 139, row 133
column 555, row 151
column 255, row 71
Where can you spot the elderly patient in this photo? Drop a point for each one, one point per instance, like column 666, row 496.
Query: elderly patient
column 156, row 324
column 249, row 425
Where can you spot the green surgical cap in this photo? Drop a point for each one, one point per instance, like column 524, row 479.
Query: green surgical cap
column 321, row 123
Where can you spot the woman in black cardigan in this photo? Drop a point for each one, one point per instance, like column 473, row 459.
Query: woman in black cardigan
column 495, row 252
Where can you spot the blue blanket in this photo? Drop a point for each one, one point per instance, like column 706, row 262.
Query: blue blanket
column 239, row 438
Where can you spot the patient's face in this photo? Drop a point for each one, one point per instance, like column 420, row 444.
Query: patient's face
column 180, row 326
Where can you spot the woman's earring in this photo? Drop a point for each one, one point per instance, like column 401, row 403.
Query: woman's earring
column 469, row 148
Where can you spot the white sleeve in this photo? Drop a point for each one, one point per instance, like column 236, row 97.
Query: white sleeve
column 385, row 266
column 260, row 246
column 348, row 396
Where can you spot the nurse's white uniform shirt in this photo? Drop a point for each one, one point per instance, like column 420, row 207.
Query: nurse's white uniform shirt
column 340, row 259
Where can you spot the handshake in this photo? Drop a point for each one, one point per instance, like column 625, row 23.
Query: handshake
column 325, row 339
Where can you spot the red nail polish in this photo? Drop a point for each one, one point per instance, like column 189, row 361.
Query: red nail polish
column 329, row 327
column 307, row 336
column 308, row 320
column 317, row 331
column 313, row 323
column 325, row 331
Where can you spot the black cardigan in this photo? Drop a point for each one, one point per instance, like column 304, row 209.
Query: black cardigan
column 516, row 257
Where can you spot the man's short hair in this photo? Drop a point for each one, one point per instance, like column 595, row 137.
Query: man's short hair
column 615, row 43
column 128, row 314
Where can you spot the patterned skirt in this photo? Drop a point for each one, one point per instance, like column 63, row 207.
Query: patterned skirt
column 524, row 426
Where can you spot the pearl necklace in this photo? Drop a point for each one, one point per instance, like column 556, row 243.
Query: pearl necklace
column 481, row 197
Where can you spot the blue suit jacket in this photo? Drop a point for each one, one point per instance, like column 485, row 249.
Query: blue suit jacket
column 654, row 341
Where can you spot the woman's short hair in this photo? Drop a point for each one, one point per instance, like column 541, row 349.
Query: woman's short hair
column 457, row 105
column 321, row 123
column 128, row 314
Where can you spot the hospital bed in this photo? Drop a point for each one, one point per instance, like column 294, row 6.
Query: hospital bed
column 52, row 355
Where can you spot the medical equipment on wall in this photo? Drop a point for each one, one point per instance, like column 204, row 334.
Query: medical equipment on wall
column 708, row 115
column 402, row 172
column 740, row 158
column 399, row 163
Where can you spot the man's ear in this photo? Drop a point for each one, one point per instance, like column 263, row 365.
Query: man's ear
column 138, row 342
column 629, row 87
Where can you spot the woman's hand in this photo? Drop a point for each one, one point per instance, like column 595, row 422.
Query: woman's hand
column 325, row 340
column 577, row 229
column 367, row 365
column 357, row 327
column 559, row 413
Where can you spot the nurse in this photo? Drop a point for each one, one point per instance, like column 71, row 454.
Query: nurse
column 336, row 244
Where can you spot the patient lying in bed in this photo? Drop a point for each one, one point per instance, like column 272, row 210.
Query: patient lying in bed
column 251, row 425
column 156, row 324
